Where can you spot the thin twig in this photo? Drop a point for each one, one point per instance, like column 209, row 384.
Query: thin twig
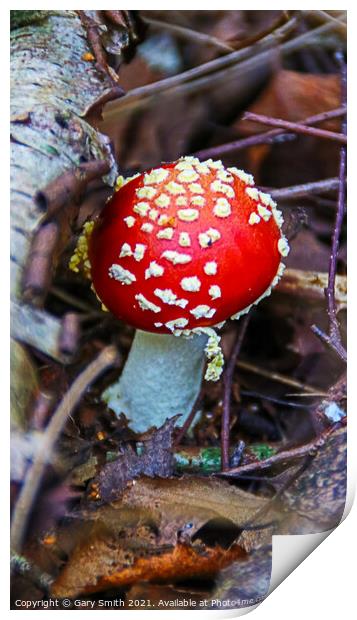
column 276, row 376
column 227, row 382
column 330, row 342
column 266, row 137
column 330, row 290
column 285, row 455
column 188, row 33
column 69, row 335
column 118, row 18
column 95, row 108
column 125, row 19
column 187, row 423
column 22, row 566
column 72, row 300
column 333, row 338
column 304, row 190
column 209, row 74
column 42, row 406
column 278, row 401
column 327, row 17
column 294, row 127
column 93, row 34
column 35, row 473
column 217, row 66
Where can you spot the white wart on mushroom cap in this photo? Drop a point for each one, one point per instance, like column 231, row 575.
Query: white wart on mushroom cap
column 185, row 246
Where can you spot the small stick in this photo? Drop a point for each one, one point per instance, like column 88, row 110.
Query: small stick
column 187, row 423
column 69, row 185
column 330, row 290
column 126, row 19
column 333, row 338
column 32, row 482
column 294, row 127
column 227, row 382
column 276, row 376
column 326, row 17
column 71, row 300
column 331, row 342
column 207, row 75
column 111, row 94
column 266, row 137
column 91, row 29
column 117, row 18
column 22, row 566
column 188, row 33
column 37, row 275
column 286, row 455
column 41, row 410
column 304, row 190
column 69, row 336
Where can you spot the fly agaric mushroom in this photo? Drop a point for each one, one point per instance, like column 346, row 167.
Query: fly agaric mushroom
column 175, row 252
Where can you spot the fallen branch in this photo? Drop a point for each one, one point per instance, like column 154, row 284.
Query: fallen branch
column 22, row 566
column 70, row 185
column 304, row 190
column 310, row 448
column 34, row 476
column 69, row 335
column 209, row 74
column 187, row 423
column 93, row 34
column 295, row 127
column 333, row 338
column 276, row 376
column 38, row 268
column 266, row 137
column 189, row 34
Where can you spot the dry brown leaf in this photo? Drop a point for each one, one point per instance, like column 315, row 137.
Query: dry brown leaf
column 308, row 252
column 148, row 534
column 317, row 498
column 196, row 500
column 244, row 583
column 167, row 505
column 295, row 96
column 85, row 573
column 156, row 459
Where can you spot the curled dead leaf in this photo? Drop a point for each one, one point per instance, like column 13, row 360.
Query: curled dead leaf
column 154, row 459
column 160, row 530
column 181, row 562
column 294, row 96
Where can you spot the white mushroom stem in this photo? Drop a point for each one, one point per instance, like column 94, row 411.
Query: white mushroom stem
column 161, row 378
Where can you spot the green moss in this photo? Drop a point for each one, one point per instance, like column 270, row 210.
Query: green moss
column 262, row 451
column 18, row 19
column 206, row 460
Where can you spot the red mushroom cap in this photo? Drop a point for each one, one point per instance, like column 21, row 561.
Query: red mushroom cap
column 185, row 246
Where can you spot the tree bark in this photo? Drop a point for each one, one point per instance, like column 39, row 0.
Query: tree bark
column 54, row 82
